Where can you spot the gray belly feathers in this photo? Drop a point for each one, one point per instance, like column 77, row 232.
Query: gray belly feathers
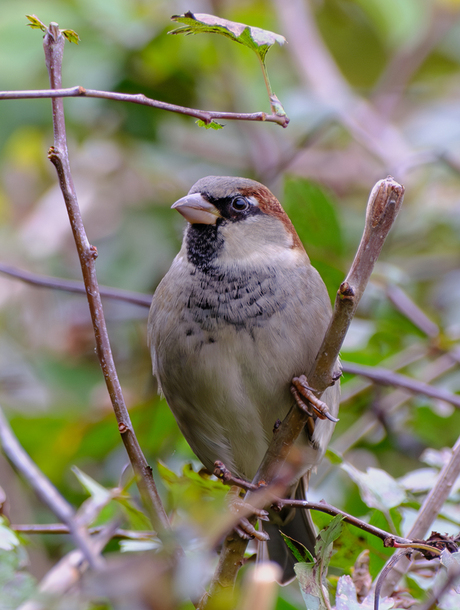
column 226, row 344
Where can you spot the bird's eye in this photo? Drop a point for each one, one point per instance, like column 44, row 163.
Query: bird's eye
column 239, row 204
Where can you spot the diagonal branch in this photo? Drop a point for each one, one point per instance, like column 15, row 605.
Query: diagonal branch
column 46, row 491
column 54, row 48
column 427, row 514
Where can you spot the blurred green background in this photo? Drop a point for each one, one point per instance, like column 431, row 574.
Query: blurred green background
column 130, row 163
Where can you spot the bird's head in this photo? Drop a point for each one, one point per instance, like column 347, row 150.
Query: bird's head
column 236, row 219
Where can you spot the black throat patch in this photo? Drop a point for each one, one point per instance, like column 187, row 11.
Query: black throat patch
column 203, row 245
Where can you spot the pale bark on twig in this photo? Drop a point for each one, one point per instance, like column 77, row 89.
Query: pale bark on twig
column 54, row 48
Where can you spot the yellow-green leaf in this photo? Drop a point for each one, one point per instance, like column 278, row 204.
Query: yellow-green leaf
column 257, row 39
column 71, row 36
column 35, row 23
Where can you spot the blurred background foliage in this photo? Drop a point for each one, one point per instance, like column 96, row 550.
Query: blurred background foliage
column 130, row 163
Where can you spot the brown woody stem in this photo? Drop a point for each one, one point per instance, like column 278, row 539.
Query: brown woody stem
column 54, row 49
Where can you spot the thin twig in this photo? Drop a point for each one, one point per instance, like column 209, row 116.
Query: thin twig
column 278, row 503
column 61, row 528
column 54, row 48
column 384, row 203
column 76, row 286
column 46, row 491
column 391, row 403
column 63, row 576
column 386, row 377
column 207, row 116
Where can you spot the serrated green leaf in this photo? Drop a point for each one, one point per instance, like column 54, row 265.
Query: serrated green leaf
column 71, row 36
column 35, row 23
column 212, row 125
column 294, row 548
column 326, row 537
column 257, row 39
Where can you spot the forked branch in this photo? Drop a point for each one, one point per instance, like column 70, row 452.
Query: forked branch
column 54, row 48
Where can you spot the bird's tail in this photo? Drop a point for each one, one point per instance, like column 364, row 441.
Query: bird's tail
column 296, row 524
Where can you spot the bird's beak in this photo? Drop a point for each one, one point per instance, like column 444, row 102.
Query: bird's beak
column 197, row 210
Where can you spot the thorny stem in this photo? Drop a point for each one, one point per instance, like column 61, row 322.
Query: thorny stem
column 54, row 48
column 383, row 206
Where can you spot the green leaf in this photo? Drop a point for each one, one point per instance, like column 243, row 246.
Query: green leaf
column 333, row 456
column 71, row 36
column 294, row 547
column 8, row 539
column 136, row 518
column 212, row 125
column 254, row 38
column 326, row 537
column 377, row 488
column 310, row 587
column 35, row 23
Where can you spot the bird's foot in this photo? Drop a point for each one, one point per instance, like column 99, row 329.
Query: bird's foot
column 244, row 528
column 307, row 400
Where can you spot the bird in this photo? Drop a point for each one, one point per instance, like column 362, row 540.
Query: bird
column 240, row 313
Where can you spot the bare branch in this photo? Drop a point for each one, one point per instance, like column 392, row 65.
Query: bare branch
column 76, row 286
column 386, row 377
column 391, row 403
column 61, row 528
column 46, row 491
column 54, row 48
column 270, row 492
column 207, row 116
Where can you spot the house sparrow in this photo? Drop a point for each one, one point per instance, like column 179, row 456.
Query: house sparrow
column 239, row 314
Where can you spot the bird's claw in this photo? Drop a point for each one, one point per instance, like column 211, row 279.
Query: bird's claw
column 247, row 531
column 303, row 392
